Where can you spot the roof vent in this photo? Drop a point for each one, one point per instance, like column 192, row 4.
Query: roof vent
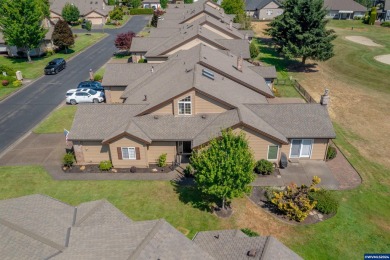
column 216, row 236
column 251, row 253
column 145, row 98
column 204, row 116
column 155, row 117
column 188, row 70
column 208, row 74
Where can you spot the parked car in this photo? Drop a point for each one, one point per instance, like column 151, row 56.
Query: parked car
column 54, row 66
column 75, row 96
column 95, row 85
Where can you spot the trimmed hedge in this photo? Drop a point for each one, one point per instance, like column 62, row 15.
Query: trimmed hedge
column 264, row 167
column 326, row 202
column 105, row 165
column 136, row 11
column 385, row 24
column 331, row 153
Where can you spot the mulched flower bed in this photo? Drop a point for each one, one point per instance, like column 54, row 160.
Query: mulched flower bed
column 94, row 168
column 259, row 198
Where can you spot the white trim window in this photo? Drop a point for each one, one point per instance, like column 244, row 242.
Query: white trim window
column 301, row 148
column 269, row 12
column 185, row 106
column 273, row 151
column 128, row 153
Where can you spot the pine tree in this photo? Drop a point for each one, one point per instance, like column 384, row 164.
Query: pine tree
column 62, row 35
column 70, row 13
column 21, row 23
column 300, row 31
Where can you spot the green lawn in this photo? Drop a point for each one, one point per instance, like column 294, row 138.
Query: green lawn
column 57, row 121
column 35, row 69
column 126, row 18
column 139, row 200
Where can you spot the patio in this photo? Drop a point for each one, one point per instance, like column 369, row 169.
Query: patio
column 301, row 172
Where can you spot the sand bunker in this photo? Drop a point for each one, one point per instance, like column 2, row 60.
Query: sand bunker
column 363, row 40
column 383, row 58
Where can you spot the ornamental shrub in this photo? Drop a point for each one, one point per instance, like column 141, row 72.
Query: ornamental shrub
column 254, row 50
column 68, row 159
column 133, row 169
column 8, row 70
column 17, row 84
column 189, row 171
column 249, row 232
column 162, row 160
column 4, row 82
column 294, row 201
column 373, row 14
column 97, row 77
column 264, row 167
column 326, row 201
column 105, row 165
column 136, row 11
column 331, row 153
column 385, row 24
column 141, row 61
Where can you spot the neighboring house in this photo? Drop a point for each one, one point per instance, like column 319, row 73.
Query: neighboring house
column 179, row 105
column 40, row 227
column 263, row 9
column 154, row 4
column 386, row 10
column 96, row 11
column 344, row 9
column 14, row 51
column 267, row 72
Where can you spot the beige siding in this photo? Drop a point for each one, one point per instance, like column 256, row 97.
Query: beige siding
column 318, row 149
column 190, row 45
column 205, row 104
column 166, row 110
column 94, row 152
column 219, row 32
column 158, row 148
column 95, row 18
column 196, row 18
column 113, row 94
column 128, row 142
column 258, row 143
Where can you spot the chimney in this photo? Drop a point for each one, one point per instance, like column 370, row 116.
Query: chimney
column 152, row 69
column 325, row 98
column 103, row 5
column 246, row 36
column 239, row 62
column 230, row 25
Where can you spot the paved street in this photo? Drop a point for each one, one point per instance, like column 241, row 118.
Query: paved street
column 22, row 111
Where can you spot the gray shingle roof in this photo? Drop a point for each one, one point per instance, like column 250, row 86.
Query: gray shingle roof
column 387, row 5
column 121, row 74
column 346, row 5
column 84, row 6
column 267, row 72
column 296, row 120
column 251, row 5
column 143, row 44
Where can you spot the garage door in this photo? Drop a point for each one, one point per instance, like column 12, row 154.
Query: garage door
column 96, row 20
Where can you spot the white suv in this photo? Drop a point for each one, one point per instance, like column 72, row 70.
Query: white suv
column 75, row 96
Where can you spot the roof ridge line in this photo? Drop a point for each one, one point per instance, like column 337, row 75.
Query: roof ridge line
column 140, row 128
column 148, row 237
column 32, row 235
column 91, row 212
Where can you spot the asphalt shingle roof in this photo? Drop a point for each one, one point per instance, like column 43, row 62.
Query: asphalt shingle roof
column 251, row 5
column 121, row 74
column 267, row 72
column 84, row 6
column 345, row 5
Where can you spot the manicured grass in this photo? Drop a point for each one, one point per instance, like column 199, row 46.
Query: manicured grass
column 139, row 200
column 125, row 19
column 6, row 91
column 57, row 121
column 287, row 91
column 35, row 69
column 362, row 222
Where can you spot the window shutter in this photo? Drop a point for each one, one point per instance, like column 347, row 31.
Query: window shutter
column 119, row 149
column 137, row 153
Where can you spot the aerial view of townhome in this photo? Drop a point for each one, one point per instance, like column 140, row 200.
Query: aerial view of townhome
column 160, row 129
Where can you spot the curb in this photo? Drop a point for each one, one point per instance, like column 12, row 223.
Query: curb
column 34, row 80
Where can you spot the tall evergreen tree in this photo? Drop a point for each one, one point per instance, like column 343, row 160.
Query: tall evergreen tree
column 224, row 168
column 300, row 31
column 70, row 13
column 62, row 35
column 21, row 23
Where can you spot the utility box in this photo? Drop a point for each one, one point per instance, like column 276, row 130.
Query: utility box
column 283, row 161
column 19, row 75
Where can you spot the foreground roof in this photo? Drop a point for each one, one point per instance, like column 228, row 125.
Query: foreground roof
column 40, row 227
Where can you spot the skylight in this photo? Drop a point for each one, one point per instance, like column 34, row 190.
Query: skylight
column 208, row 74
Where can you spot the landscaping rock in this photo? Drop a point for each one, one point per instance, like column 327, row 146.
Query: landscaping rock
column 114, row 170
column 82, row 168
column 154, row 170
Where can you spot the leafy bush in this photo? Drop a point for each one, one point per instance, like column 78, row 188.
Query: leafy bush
column 189, row 171
column 326, row 201
column 68, row 159
column 97, row 77
column 133, row 169
column 162, row 160
column 105, row 165
column 264, row 167
column 358, row 18
column 331, row 153
column 50, row 52
column 254, row 50
column 136, row 11
column 294, row 201
column 17, row 84
column 385, row 24
column 249, row 232
column 88, row 26
column 10, row 71
column 4, row 82
column 269, row 192
column 141, row 61
column 7, row 78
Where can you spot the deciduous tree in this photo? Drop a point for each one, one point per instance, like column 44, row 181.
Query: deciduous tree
column 21, row 23
column 70, row 13
column 300, row 31
column 233, row 6
column 164, row 3
column 123, row 40
column 224, row 168
column 62, row 35
column 116, row 14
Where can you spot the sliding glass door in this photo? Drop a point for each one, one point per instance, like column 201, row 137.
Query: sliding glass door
column 301, row 148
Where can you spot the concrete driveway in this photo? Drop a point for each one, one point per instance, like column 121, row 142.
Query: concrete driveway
column 300, row 173
column 26, row 108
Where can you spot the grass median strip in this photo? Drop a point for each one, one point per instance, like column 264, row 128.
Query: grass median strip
column 57, row 121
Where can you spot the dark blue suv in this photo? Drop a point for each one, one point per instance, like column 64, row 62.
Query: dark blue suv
column 95, row 85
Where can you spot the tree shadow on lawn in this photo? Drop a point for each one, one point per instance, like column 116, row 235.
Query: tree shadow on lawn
column 190, row 194
column 18, row 60
column 282, row 64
